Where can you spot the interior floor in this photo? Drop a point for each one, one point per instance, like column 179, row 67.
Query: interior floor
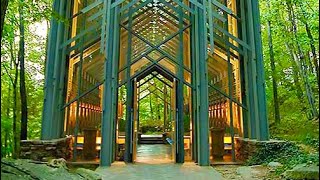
column 154, row 153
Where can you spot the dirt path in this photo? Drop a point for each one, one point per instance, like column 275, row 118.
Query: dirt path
column 245, row 172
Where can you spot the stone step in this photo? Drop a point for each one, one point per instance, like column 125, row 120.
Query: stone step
column 151, row 139
column 152, row 142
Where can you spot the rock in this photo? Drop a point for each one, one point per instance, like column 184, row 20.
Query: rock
column 274, row 164
column 252, row 172
column 245, row 172
column 302, row 171
column 247, row 148
column 26, row 169
column 243, row 169
column 38, row 149
column 88, row 174
column 25, row 148
column 27, row 153
column 57, row 163
column 51, row 148
column 36, row 142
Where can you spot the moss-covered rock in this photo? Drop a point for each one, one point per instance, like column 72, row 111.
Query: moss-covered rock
column 28, row 169
column 302, row 171
column 88, row 174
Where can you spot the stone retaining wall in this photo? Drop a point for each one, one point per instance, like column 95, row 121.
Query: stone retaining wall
column 246, row 148
column 43, row 150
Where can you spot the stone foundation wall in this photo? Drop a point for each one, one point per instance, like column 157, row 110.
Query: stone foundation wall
column 43, row 150
column 246, row 148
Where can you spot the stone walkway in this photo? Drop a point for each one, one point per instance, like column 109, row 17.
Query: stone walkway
column 154, row 163
column 142, row 171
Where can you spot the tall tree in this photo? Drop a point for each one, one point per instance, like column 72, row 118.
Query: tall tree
column 23, row 93
column 311, row 41
column 4, row 5
column 301, row 61
column 273, row 68
column 14, row 108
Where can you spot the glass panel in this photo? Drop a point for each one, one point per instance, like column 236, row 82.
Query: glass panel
column 237, row 119
column 89, row 130
column 220, row 134
column 171, row 47
column 70, row 118
column 123, row 48
column 92, row 68
column 218, row 71
column 168, row 65
column 155, row 55
column 122, row 76
column 139, row 65
column 232, row 22
column 236, row 80
column 80, row 22
column 121, row 123
column 73, row 79
column 187, row 76
column 187, row 120
column 86, row 121
column 239, row 124
column 186, row 49
column 138, row 47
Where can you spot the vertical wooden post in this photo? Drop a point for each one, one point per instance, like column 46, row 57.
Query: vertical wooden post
column 262, row 123
column 179, row 98
column 128, row 140
column 194, row 89
column 203, row 122
column 48, row 87
column 116, row 46
column 107, row 113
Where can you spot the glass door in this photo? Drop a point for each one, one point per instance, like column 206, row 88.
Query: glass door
column 173, row 120
column 135, row 121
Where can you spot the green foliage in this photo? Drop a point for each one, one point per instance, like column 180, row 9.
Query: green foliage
column 294, row 108
column 36, row 17
column 296, row 129
column 288, row 154
column 291, row 90
column 296, row 123
column 312, row 141
column 151, row 107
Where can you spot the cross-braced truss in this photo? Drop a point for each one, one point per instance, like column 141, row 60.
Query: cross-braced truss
column 98, row 49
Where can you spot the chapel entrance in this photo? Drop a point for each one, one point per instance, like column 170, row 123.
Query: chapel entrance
column 154, row 46
column 154, row 129
column 154, row 118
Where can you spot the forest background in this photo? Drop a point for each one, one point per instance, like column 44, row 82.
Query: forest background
column 291, row 58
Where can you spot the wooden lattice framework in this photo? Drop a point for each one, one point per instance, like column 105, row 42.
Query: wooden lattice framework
column 97, row 47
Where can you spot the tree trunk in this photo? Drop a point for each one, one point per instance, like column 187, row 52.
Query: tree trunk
column 302, row 64
column 47, row 43
column 295, row 68
column 314, row 54
column 23, row 93
column 150, row 104
column 4, row 5
column 8, row 110
column 165, row 108
column 273, row 70
column 158, row 110
column 14, row 107
column 312, row 46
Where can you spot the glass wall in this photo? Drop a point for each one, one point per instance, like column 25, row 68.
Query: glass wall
column 187, row 122
column 121, row 123
column 225, row 90
column 85, row 69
